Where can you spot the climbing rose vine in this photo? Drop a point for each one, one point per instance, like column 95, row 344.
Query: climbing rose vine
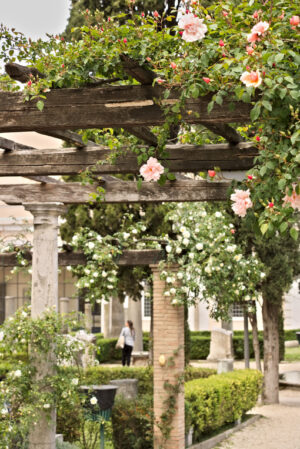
column 230, row 51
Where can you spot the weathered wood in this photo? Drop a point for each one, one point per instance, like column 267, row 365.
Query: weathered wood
column 127, row 258
column 112, row 106
column 142, row 74
column 68, row 136
column 68, row 161
column 143, row 133
column 21, row 73
column 226, row 131
column 7, row 144
column 44, row 179
column 116, row 192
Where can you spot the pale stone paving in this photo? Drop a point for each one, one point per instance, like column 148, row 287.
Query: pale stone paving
column 279, row 427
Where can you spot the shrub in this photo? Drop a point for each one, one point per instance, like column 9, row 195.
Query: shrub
column 221, row 399
column 106, row 349
column 132, row 422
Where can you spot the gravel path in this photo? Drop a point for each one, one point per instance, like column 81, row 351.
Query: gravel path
column 279, row 428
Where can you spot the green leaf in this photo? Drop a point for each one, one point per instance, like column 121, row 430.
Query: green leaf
column 139, row 183
column 171, row 176
column 283, row 227
column 263, row 170
column 281, row 184
column 255, row 112
column 267, row 105
column 294, row 233
column 295, row 136
column 264, row 228
column 279, row 57
column 210, row 106
column 40, row 105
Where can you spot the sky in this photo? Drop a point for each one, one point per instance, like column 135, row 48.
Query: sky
column 34, row 18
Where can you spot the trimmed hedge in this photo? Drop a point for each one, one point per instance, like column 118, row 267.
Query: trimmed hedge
column 221, row 399
column 209, row 404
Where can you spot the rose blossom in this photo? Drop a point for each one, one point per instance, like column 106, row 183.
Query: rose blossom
column 293, row 200
column 295, row 21
column 260, row 28
column 194, row 28
column 241, row 202
column 251, row 79
column 249, row 50
column 253, row 37
column 152, row 170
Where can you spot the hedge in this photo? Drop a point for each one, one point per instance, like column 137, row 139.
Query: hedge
column 209, row 404
column 221, row 399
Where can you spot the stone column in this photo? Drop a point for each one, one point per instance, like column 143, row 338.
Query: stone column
column 168, row 342
column 105, row 318
column 44, row 295
column 135, row 315
column 88, row 317
column 10, row 306
column 64, row 305
column 117, row 319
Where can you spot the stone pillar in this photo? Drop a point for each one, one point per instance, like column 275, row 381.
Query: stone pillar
column 10, row 306
column 44, row 295
column 135, row 315
column 105, row 318
column 168, row 342
column 88, row 317
column 117, row 317
column 64, row 305
column 196, row 317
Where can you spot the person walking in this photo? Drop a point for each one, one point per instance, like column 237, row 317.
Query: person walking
column 128, row 333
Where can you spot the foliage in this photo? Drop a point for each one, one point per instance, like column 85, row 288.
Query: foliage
column 133, row 423
column 23, row 397
column 222, row 399
column 292, row 354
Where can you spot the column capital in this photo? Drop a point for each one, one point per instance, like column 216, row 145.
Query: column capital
column 45, row 213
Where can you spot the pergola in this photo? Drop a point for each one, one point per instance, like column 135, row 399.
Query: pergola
column 131, row 107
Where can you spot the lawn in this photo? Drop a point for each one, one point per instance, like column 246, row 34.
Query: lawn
column 292, row 354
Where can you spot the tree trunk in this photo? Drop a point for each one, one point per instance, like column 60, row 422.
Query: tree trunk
column 255, row 340
column 246, row 340
column 271, row 352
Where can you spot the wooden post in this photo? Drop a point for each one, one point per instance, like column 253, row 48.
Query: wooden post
column 168, row 342
column 44, row 296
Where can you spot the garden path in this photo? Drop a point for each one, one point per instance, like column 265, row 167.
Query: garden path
column 277, row 429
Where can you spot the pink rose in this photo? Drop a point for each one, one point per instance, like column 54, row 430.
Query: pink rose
column 295, row 21
column 241, row 202
column 173, row 65
column 249, row 50
column 152, row 170
column 253, row 37
column 251, row 79
column 206, row 80
column 260, row 28
column 194, row 28
column 293, row 200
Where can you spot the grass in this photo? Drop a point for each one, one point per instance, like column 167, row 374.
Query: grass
column 292, row 354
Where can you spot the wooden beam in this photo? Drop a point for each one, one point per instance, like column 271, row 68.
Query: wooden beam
column 142, row 74
column 22, row 73
column 111, row 106
column 69, row 161
column 8, row 145
column 226, row 131
column 116, row 192
column 127, row 258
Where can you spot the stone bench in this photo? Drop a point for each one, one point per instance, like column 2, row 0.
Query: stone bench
column 140, row 358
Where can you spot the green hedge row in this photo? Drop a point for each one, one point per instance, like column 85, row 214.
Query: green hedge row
column 199, row 349
column 221, row 399
column 209, row 404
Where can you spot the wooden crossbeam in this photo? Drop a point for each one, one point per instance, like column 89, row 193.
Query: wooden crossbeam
column 127, row 258
column 116, row 192
column 111, row 106
column 69, row 161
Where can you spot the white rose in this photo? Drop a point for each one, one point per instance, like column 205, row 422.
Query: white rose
column 173, row 291
column 94, row 400
column 69, row 268
column 1, row 335
column 95, row 274
column 180, row 275
column 262, row 275
column 110, row 287
column 178, row 250
column 207, row 269
column 126, row 235
column 99, row 238
column 17, row 373
column 167, row 293
column 104, row 274
column 87, row 271
column 91, row 245
column 134, row 231
column 46, row 406
column 185, row 241
column 169, row 280
column 4, row 411
column 199, row 246
column 186, row 234
column 168, row 248
column 191, row 255
column 75, row 381
column 238, row 257
column 218, row 214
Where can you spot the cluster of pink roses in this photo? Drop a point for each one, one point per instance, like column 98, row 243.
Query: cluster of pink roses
column 241, row 202
column 293, row 200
